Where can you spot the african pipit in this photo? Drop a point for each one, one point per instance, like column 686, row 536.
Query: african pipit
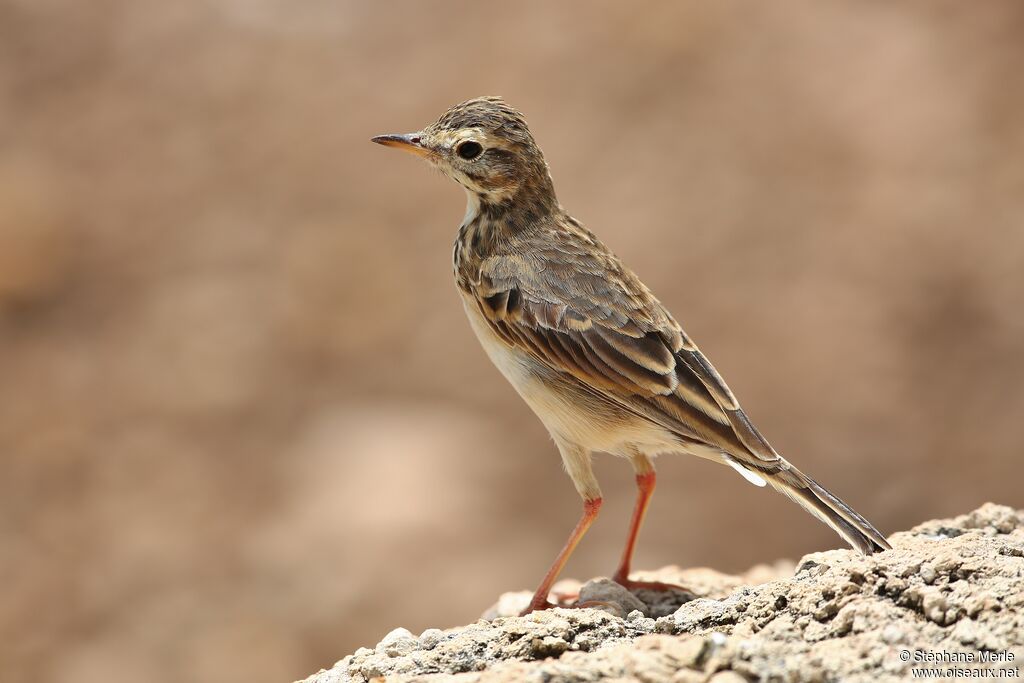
column 584, row 342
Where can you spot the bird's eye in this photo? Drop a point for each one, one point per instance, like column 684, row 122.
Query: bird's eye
column 469, row 150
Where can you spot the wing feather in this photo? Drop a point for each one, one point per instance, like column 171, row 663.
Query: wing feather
column 609, row 333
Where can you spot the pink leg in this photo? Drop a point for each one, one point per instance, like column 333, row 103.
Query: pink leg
column 645, row 483
column 540, row 596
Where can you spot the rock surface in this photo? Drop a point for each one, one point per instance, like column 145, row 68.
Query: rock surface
column 949, row 590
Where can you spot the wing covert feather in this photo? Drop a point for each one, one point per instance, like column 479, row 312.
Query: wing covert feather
column 580, row 312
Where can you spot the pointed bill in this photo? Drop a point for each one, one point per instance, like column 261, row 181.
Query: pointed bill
column 409, row 142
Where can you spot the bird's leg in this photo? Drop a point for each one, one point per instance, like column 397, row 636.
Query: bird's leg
column 540, row 597
column 577, row 463
column 645, row 482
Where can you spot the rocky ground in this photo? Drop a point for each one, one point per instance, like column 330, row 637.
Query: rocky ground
column 949, row 589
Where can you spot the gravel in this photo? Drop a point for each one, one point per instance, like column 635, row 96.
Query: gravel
column 950, row 589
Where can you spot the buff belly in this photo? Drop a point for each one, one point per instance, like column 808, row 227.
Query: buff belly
column 571, row 413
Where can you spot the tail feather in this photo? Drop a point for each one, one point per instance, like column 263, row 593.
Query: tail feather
column 824, row 505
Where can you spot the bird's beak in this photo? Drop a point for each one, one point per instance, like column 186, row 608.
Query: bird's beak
column 410, row 142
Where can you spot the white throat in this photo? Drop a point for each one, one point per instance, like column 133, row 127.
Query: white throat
column 472, row 207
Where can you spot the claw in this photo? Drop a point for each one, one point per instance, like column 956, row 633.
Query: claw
column 631, row 585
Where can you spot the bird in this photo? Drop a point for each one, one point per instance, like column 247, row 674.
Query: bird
column 588, row 347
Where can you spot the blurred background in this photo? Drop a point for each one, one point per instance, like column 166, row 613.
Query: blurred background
column 244, row 426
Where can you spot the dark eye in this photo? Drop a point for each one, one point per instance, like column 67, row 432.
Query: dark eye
column 469, row 150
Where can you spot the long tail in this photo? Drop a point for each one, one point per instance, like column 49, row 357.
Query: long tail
column 821, row 503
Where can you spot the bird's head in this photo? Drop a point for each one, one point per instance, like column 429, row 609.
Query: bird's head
column 485, row 146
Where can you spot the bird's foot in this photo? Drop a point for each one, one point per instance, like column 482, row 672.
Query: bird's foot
column 589, row 604
column 631, row 585
column 564, row 600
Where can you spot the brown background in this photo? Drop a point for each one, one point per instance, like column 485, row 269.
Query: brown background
column 244, row 427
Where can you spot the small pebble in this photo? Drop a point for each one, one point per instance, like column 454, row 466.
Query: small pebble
column 430, row 638
column 665, row 625
column 617, row 600
column 398, row 643
column 892, row 634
